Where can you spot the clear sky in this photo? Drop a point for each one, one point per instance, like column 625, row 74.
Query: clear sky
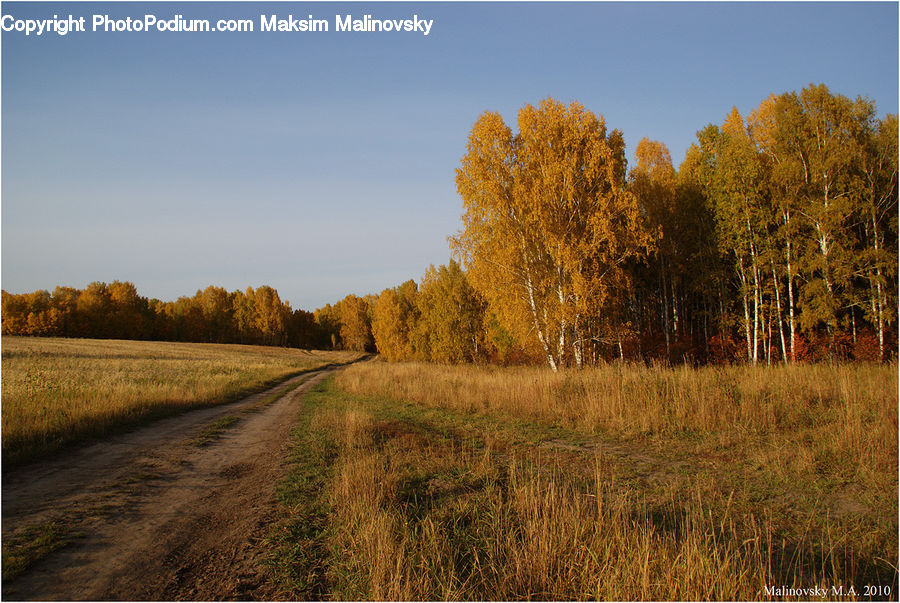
column 323, row 164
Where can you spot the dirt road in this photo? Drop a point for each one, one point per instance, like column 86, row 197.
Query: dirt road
column 156, row 513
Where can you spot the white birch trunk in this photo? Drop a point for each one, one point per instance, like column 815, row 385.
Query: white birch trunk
column 746, row 309
column 778, row 306
column 790, row 284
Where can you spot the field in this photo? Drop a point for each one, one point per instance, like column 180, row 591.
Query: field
column 58, row 391
column 414, row 481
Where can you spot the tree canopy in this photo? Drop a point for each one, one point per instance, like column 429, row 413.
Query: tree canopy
column 548, row 222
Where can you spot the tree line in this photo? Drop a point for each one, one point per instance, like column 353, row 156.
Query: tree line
column 774, row 241
column 117, row 311
column 212, row 315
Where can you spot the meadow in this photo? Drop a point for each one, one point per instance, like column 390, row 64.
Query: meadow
column 428, row 482
column 57, row 391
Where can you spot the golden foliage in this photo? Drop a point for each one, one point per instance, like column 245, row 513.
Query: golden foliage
column 548, row 221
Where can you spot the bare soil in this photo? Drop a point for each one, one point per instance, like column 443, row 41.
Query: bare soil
column 153, row 515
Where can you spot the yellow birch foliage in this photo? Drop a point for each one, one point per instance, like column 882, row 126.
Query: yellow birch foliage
column 356, row 331
column 548, row 221
column 394, row 317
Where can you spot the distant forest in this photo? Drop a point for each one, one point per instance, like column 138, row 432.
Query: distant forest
column 774, row 241
column 117, row 311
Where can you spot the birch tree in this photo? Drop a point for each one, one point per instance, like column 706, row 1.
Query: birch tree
column 356, row 330
column 653, row 181
column 771, row 132
column 450, row 325
column 548, row 221
column 741, row 219
column 395, row 316
column 877, row 260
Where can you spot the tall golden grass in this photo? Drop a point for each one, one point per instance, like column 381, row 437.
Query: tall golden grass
column 414, row 517
column 763, row 478
column 55, row 391
column 850, row 409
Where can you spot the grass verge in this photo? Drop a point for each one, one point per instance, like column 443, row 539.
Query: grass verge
column 298, row 541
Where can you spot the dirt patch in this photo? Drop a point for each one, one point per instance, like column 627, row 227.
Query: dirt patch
column 236, row 471
column 845, row 504
column 564, row 445
column 158, row 518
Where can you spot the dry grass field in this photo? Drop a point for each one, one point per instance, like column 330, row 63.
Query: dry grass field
column 840, row 420
column 429, row 482
column 56, row 391
column 415, row 481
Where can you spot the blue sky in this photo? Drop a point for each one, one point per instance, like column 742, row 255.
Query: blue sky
column 323, row 164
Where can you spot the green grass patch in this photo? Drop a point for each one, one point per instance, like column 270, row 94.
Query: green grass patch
column 34, row 543
column 298, row 543
column 215, row 430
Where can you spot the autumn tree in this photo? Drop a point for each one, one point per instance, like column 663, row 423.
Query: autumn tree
column 217, row 310
column 270, row 315
column 395, row 315
column 548, row 221
column 116, row 310
column 654, row 183
column 668, row 295
column 877, row 259
column 94, row 307
column 702, row 270
column 831, row 204
column 356, row 329
column 128, row 317
column 450, row 328
column 30, row 314
column 65, row 300
column 823, row 135
column 244, row 315
column 302, row 330
column 776, row 238
column 743, row 218
column 767, row 127
column 328, row 319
